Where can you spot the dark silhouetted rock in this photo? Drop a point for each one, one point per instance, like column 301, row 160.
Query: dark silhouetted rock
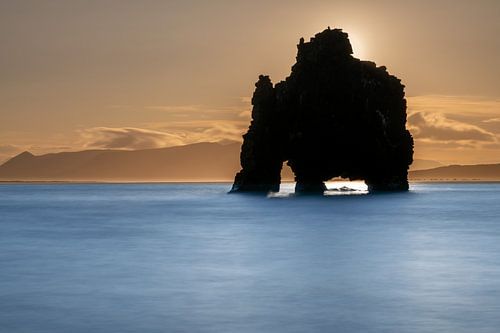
column 261, row 156
column 334, row 116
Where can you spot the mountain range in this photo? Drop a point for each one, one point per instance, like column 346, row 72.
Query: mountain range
column 195, row 162
column 190, row 163
column 480, row 172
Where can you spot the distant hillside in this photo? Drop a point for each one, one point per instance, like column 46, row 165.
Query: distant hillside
column 424, row 164
column 195, row 162
column 459, row 172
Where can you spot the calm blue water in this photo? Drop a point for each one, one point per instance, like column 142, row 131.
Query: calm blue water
column 189, row 258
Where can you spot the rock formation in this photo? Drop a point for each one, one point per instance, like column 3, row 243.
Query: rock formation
column 334, row 116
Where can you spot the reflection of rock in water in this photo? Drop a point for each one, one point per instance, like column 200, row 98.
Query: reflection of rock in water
column 334, row 116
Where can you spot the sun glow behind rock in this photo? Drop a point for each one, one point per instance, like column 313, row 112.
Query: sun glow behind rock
column 358, row 45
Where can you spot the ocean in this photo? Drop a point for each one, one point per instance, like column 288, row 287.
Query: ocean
column 192, row 258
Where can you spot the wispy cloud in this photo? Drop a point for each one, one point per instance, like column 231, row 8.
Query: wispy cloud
column 455, row 129
column 171, row 134
column 201, row 111
column 205, row 130
column 451, row 129
column 436, row 126
column 493, row 120
column 246, row 99
column 458, row 105
column 8, row 151
column 175, row 108
column 128, row 138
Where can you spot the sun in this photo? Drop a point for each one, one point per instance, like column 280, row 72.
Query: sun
column 358, row 46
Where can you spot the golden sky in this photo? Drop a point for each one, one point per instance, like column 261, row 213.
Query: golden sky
column 133, row 74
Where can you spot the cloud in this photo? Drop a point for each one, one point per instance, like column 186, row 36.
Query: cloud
column 246, row 99
column 181, row 125
column 247, row 114
column 163, row 135
column 470, row 106
column 175, row 108
column 455, row 129
column 205, row 130
column 128, row 138
column 436, row 126
column 450, row 129
column 493, row 120
column 197, row 111
column 9, row 149
column 221, row 131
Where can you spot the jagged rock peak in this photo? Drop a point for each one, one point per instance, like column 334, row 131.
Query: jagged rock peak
column 326, row 44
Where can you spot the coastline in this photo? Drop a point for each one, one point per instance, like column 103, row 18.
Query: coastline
column 111, row 182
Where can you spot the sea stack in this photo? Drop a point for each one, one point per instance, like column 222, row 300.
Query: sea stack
column 334, row 116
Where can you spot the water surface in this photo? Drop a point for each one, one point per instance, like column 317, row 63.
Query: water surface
column 190, row 258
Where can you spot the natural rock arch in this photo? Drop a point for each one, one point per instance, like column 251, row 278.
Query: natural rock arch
column 335, row 115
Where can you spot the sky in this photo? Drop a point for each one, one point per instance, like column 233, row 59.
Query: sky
column 129, row 74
